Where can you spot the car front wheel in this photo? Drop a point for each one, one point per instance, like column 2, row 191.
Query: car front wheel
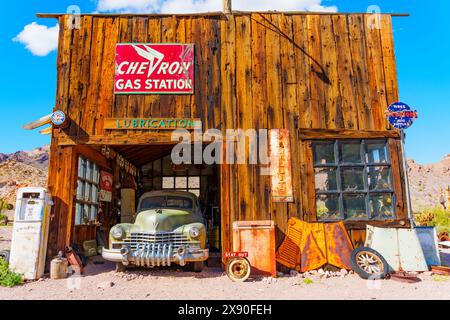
column 120, row 267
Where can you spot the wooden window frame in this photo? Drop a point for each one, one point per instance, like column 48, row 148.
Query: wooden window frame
column 364, row 165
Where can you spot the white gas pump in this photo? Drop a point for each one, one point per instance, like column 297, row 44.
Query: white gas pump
column 30, row 232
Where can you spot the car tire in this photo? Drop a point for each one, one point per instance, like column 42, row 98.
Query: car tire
column 120, row 267
column 369, row 264
column 5, row 255
column 196, row 266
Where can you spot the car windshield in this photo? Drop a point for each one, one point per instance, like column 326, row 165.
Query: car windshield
column 172, row 202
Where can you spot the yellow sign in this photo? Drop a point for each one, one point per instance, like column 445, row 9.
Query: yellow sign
column 152, row 124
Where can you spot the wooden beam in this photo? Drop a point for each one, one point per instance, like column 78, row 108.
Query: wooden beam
column 319, row 134
column 162, row 138
column 209, row 14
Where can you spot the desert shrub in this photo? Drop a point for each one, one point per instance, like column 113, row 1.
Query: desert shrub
column 9, row 278
column 435, row 217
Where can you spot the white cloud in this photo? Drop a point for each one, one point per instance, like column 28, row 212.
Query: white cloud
column 40, row 40
column 188, row 6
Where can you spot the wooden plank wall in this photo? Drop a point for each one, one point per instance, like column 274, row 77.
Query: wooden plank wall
column 271, row 70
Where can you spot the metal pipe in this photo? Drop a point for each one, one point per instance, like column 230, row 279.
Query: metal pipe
column 405, row 169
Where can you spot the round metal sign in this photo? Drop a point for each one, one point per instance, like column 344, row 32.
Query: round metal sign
column 58, row 118
column 400, row 115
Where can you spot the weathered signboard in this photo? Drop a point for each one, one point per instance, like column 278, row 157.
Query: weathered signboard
column 106, row 186
column 152, row 124
column 280, row 161
column 154, row 68
column 400, row 115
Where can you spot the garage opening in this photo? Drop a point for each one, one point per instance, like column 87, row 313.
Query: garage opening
column 158, row 172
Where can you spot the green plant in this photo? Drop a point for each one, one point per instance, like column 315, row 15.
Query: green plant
column 441, row 278
column 434, row 217
column 9, row 278
column 308, row 281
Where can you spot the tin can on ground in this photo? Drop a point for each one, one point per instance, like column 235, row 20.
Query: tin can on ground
column 59, row 268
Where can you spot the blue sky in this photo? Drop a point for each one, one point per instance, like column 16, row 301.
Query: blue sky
column 422, row 45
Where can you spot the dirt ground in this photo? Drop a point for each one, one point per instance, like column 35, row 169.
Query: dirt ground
column 101, row 282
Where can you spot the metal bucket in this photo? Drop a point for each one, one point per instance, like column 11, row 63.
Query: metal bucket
column 59, row 268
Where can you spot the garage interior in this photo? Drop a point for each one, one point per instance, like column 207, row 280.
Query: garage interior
column 156, row 171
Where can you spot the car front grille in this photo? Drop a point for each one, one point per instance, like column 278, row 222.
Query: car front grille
column 160, row 238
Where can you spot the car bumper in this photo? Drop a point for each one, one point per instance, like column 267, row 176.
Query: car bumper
column 155, row 258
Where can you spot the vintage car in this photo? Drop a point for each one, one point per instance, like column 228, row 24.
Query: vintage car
column 169, row 229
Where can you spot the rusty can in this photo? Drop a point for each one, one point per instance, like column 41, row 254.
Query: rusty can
column 59, row 268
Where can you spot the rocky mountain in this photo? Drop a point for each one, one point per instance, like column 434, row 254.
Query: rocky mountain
column 428, row 182
column 22, row 169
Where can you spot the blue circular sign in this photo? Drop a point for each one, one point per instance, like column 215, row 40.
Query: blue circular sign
column 400, row 115
column 58, row 118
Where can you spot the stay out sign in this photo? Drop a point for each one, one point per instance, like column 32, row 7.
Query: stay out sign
column 144, row 68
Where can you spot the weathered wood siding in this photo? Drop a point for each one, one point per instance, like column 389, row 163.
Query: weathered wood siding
column 327, row 75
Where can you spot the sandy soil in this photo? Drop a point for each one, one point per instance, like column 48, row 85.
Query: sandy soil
column 5, row 237
column 101, row 282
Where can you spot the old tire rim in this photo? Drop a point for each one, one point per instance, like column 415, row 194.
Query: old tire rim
column 238, row 269
column 369, row 262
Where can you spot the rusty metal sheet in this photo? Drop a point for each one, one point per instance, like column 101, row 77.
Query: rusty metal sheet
column 309, row 246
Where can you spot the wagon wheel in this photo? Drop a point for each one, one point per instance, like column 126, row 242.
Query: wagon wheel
column 238, row 269
column 369, row 264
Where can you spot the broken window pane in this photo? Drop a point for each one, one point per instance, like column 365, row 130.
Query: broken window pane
column 350, row 152
column 352, row 179
column 328, row 207
column 379, row 178
column 324, row 153
column 376, row 152
column 325, row 179
column 381, row 206
column 355, row 206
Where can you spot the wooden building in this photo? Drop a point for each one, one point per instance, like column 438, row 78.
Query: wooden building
column 326, row 78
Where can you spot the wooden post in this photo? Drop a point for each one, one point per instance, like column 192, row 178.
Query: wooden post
column 227, row 7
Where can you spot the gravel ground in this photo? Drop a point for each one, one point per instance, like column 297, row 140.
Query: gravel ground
column 101, row 282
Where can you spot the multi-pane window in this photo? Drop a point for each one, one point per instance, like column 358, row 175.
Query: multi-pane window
column 191, row 184
column 86, row 208
column 353, row 180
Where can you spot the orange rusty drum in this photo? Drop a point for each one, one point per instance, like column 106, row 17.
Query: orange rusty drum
column 258, row 239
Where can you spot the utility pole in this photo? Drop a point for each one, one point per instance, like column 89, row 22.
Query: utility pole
column 227, row 7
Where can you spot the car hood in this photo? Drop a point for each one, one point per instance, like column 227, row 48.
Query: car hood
column 164, row 219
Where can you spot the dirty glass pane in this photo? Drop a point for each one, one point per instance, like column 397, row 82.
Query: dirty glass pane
column 180, row 182
column 86, row 210
column 80, row 190
column 168, row 183
column 376, row 152
column 95, row 174
column 194, row 182
column 93, row 213
column 195, row 191
column 379, row 178
column 350, row 152
column 327, row 207
column 352, row 179
column 78, row 214
column 355, row 207
column 325, row 179
column 381, row 206
column 81, row 167
column 94, row 193
column 324, row 153
column 89, row 170
column 87, row 192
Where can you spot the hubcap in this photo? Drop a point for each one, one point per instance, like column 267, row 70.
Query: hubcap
column 369, row 262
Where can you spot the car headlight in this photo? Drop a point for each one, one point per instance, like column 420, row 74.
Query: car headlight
column 194, row 232
column 117, row 233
